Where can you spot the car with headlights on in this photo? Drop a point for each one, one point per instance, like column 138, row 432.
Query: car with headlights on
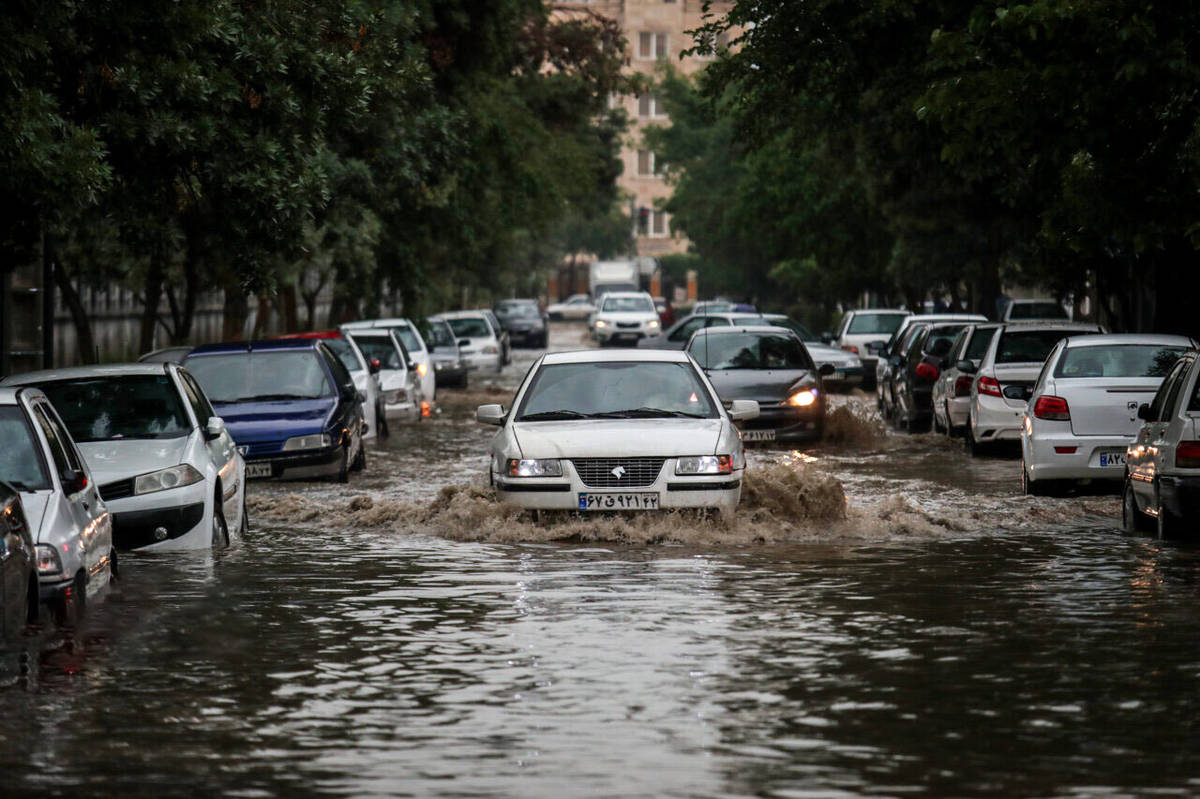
column 952, row 391
column 366, row 379
column 1082, row 413
column 399, row 384
column 577, row 307
column 1005, row 376
column 1162, row 464
column 625, row 317
column 448, row 366
column 414, row 343
column 163, row 460
column 605, row 430
column 477, row 342
column 290, row 405
column 68, row 521
column 771, row 366
column 524, row 322
column 19, row 600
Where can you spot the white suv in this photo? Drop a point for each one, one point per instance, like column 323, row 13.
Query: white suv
column 865, row 333
column 625, row 317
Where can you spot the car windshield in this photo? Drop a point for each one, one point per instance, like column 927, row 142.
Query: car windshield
column 1037, row 310
column 622, row 389
column 345, row 353
column 619, row 304
column 21, row 463
column 261, row 376
column 380, row 348
column 408, row 337
column 1118, row 360
column 119, row 407
column 1028, row 346
column 470, row 327
column 882, row 323
column 437, row 333
column 524, row 311
column 981, row 339
column 749, row 351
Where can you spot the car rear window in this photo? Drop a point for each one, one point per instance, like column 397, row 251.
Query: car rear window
column 380, row 348
column 614, row 388
column 119, row 407
column 749, row 351
column 469, row 328
column 21, row 462
column 981, row 339
column 1028, row 346
column 882, row 323
column 1118, row 360
column 261, row 376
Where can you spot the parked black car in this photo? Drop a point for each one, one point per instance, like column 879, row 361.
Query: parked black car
column 892, row 357
column 914, row 371
column 524, row 322
column 18, row 566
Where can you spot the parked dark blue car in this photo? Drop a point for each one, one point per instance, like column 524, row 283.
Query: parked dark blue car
column 290, row 405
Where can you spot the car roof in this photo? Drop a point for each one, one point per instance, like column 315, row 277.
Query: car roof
column 1050, row 324
column 391, row 321
column 377, row 332
column 898, row 311
column 522, row 300
column 754, row 329
column 317, row 334
column 254, row 346
column 462, row 314
column 946, row 317
column 8, row 394
column 611, row 356
column 1032, row 300
column 1101, row 339
column 76, row 372
column 619, row 294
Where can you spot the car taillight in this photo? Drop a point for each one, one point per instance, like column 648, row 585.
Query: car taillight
column 989, row 386
column 962, row 386
column 1053, row 408
column 849, row 348
column 1187, row 455
column 927, row 371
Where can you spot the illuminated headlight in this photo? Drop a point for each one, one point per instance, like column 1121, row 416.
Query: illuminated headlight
column 652, row 324
column 164, row 479
column 314, row 441
column 48, row 562
column 422, row 369
column 802, row 398
column 601, row 324
column 393, row 397
column 704, row 464
column 534, row 468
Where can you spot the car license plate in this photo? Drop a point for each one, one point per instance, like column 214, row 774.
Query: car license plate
column 758, row 435
column 1112, row 458
column 258, row 470
column 647, row 501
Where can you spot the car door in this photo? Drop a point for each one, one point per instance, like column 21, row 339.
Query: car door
column 1142, row 458
column 222, row 452
column 84, row 509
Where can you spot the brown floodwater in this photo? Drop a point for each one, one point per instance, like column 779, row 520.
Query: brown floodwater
column 885, row 616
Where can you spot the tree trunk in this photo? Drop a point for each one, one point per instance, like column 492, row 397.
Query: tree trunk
column 287, row 308
column 344, row 305
column 79, row 317
column 233, row 322
column 151, row 297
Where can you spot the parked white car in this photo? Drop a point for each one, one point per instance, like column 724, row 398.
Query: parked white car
column 1082, row 412
column 478, row 346
column 167, row 468
column 617, row 431
column 413, row 342
column 625, row 317
column 400, row 386
column 574, row 308
column 865, row 333
column 1162, row 483
column 1006, row 372
column 952, row 391
column 69, row 522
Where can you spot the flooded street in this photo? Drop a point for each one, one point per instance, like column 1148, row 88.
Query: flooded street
column 939, row 634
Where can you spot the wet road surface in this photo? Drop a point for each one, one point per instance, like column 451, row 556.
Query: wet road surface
column 946, row 637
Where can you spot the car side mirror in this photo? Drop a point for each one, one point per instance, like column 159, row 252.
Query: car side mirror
column 1143, row 412
column 214, row 428
column 464, row 342
column 966, row 367
column 373, row 366
column 826, row 370
column 741, row 410
column 490, row 414
column 73, row 480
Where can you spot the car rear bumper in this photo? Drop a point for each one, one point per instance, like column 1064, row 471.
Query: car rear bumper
column 674, row 491
column 1047, row 456
column 994, row 419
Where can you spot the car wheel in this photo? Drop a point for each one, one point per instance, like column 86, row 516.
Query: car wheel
column 1133, row 520
column 1033, row 488
column 70, row 609
column 244, row 526
column 974, row 448
column 360, row 460
column 1166, row 522
column 937, row 425
column 220, row 529
column 343, row 473
column 381, row 424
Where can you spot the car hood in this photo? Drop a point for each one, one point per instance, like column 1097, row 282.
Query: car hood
column 767, row 386
column 117, row 460
column 618, row 438
column 250, row 422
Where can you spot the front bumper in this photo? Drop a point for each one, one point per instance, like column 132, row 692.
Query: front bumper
column 1044, row 463
column 789, row 424
column 618, row 335
column 720, row 491
column 478, row 360
column 178, row 512
column 297, row 466
column 444, row 374
column 993, row 419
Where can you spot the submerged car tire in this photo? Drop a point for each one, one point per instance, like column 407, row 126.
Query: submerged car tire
column 360, row 460
column 220, row 528
column 974, row 448
column 381, row 425
column 343, row 473
column 70, row 610
column 1133, row 520
column 1034, row 488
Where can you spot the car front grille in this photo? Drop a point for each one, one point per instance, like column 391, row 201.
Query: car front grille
column 618, row 472
column 117, row 489
column 628, row 325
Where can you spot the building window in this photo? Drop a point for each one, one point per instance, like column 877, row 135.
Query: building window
column 658, row 224
column 652, row 45
column 647, row 164
column 649, row 107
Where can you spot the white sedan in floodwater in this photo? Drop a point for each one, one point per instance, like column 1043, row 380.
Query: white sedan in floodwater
column 617, row 431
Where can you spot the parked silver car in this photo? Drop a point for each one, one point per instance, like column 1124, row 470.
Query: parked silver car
column 952, row 391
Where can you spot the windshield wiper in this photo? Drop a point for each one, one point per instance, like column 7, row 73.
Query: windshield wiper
column 547, row 416
column 648, row 413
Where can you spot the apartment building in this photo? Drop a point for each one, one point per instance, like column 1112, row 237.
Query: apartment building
column 656, row 30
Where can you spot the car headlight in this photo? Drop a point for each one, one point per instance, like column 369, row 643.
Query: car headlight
column 551, row 467
column 652, row 324
column 49, row 564
column 182, row 475
column 422, row 369
column 704, row 464
column 313, row 441
column 601, row 324
column 802, row 398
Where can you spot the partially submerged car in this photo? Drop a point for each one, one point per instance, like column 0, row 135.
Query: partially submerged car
column 448, row 366
column 400, row 386
column 609, row 430
column 414, row 343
